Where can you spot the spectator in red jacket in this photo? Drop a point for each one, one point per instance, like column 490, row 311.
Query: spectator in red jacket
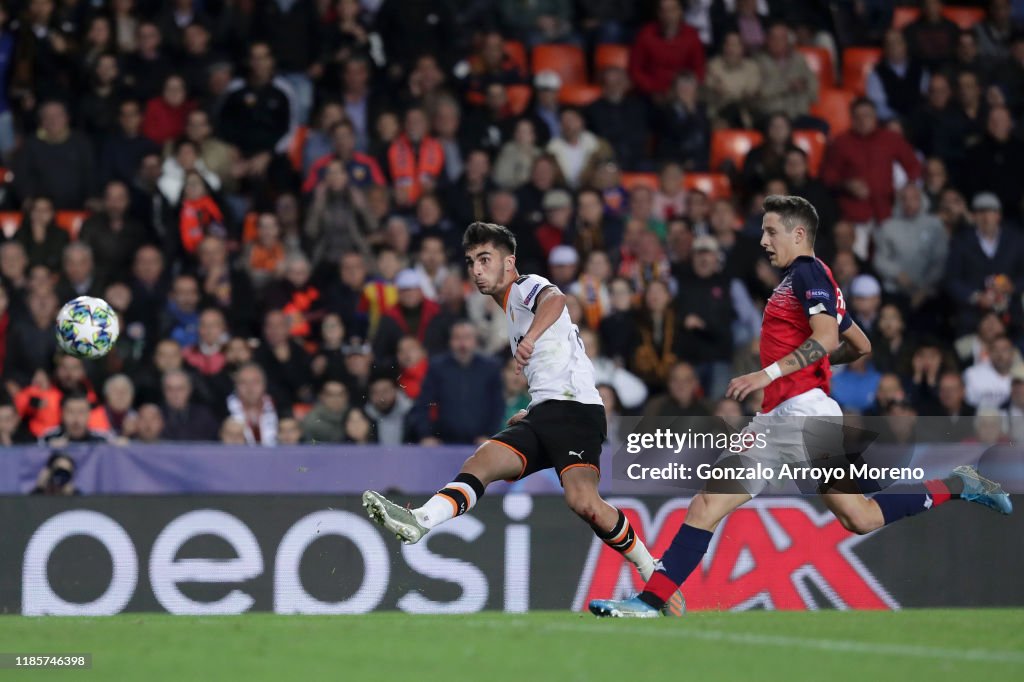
column 166, row 115
column 858, row 165
column 663, row 48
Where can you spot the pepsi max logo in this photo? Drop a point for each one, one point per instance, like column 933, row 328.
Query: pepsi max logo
column 818, row 293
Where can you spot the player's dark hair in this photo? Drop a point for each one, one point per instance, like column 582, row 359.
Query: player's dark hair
column 478, row 234
column 793, row 211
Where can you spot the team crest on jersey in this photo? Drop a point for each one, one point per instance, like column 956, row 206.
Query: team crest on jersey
column 818, row 293
column 533, row 292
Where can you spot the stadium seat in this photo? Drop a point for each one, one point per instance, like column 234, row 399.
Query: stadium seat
column 858, row 63
column 71, row 221
column 611, row 55
column 300, row 410
column 819, row 60
column 518, row 98
column 732, row 145
column 517, row 53
column 901, row 16
column 579, row 95
column 296, row 145
column 631, row 180
column 566, row 60
column 813, row 144
column 10, row 221
column 964, row 17
column 714, row 185
column 833, row 106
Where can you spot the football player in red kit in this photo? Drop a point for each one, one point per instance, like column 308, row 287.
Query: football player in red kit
column 804, row 332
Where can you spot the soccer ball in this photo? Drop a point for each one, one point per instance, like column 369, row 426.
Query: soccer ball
column 87, row 327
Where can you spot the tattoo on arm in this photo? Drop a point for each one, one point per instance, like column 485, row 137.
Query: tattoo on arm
column 844, row 354
column 807, row 354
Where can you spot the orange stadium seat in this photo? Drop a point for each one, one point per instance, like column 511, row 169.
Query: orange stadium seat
column 858, row 63
column 579, row 95
column 714, row 185
column 732, row 145
column 71, row 221
column 833, row 106
column 631, row 180
column 813, row 144
column 518, row 98
column 901, row 16
column 611, row 55
column 10, row 221
column 820, row 62
column 517, row 53
column 296, row 145
column 964, row 17
column 566, row 60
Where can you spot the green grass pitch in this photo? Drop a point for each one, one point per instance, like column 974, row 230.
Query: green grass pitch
column 822, row 646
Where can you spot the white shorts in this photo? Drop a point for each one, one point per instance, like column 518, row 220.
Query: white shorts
column 798, row 431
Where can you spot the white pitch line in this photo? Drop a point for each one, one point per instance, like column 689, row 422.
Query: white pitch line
column 832, row 645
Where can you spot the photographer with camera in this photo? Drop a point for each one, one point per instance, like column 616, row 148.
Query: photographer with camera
column 56, row 477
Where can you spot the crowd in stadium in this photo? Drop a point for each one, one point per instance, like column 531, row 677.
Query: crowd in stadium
column 272, row 194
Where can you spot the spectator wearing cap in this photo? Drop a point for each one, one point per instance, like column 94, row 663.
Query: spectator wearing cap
column 557, row 206
column 325, row 423
column 461, row 399
column 252, row 406
column 706, row 312
column 388, row 408
column 987, row 384
column 996, row 163
column 546, row 86
column 911, row 249
column 985, row 266
column 577, row 150
column 859, row 165
column 359, row 358
column 563, row 263
column 183, row 419
column 865, row 301
column 664, row 48
column 411, row 315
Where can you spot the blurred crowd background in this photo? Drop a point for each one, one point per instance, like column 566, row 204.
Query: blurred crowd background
column 272, row 193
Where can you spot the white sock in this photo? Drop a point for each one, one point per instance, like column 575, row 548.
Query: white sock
column 453, row 500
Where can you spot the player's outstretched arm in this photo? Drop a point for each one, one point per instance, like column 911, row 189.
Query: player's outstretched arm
column 854, row 344
column 550, row 304
column 824, row 339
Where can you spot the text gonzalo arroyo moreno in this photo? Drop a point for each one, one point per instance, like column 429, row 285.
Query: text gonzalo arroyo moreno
column 751, row 443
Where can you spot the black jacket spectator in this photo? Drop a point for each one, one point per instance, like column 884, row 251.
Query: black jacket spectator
column 63, row 168
column 293, row 35
column 467, row 400
column 195, row 423
column 410, row 28
column 997, row 166
column 969, row 268
column 625, row 124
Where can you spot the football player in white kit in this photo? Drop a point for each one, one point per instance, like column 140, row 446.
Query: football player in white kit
column 563, row 427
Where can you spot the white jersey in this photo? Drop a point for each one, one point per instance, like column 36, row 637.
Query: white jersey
column 559, row 368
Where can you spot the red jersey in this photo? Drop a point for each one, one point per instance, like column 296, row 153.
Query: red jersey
column 807, row 288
